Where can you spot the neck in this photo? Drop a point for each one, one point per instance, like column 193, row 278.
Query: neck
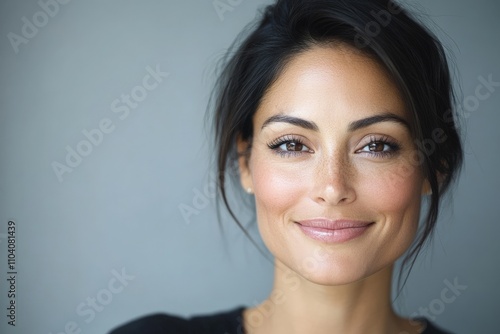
column 297, row 305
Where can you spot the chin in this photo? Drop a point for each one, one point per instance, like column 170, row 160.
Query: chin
column 333, row 266
column 334, row 275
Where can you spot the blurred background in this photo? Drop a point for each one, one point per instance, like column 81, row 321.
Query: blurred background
column 106, row 167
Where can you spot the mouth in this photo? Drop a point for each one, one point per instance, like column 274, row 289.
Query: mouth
column 333, row 231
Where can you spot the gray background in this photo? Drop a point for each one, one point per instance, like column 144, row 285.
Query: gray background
column 120, row 208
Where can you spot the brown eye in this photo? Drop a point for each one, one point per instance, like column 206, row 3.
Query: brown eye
column 376, row 147
column 380, row 148
column 288, row 146
column 293, row 146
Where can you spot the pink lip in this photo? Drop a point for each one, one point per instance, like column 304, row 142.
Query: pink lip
column 333, row 230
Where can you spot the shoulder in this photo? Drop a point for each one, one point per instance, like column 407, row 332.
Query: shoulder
column 227, row 322
column 156, row 323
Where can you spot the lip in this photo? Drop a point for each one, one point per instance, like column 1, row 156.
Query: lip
column 333, row 231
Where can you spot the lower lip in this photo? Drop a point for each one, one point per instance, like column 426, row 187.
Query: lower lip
column 333, row 236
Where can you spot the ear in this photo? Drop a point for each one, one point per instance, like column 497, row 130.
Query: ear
column 243, row 148
column 426, row 188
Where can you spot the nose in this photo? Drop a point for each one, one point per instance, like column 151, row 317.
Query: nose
column 335, row 179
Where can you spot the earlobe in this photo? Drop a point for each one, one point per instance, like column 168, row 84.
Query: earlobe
column 426, row 188
column 242, row 147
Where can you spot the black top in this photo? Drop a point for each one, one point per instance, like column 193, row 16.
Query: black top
column 229, row 322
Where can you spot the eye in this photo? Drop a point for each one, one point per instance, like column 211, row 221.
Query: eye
column 293, row 146
column 289, row 146
column 380, row 147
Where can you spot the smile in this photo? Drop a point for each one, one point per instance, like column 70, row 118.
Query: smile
column 333, row 231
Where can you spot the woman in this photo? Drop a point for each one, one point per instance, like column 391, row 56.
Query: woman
column 339, row 115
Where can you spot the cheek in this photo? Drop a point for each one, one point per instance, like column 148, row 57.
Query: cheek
column 393, row 194
column 394, row 187
column 396, row 196
column 277, row 190
column 275, row 187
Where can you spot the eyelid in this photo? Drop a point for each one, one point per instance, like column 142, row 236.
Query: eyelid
column 287, row 138
column 394, row 145
column 276, row 143
column 376, row 137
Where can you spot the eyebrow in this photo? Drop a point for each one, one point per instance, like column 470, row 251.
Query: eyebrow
column 280, row 118
column 353, row 126
column 385, row 117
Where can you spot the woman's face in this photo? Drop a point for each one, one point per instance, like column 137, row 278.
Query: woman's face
column 333, row 169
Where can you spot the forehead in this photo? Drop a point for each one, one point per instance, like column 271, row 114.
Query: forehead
column 334, row 80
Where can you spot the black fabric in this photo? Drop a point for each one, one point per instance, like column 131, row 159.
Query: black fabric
column 229, row 322
column 431, row 328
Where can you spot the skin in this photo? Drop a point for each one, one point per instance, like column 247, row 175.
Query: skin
column 335, row 172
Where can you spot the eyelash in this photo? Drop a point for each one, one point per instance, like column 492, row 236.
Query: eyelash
column 394, row 147
column 275, row 145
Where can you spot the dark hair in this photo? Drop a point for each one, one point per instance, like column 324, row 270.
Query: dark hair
column 383, row 30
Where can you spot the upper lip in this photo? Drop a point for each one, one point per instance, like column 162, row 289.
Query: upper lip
column 337, row 224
